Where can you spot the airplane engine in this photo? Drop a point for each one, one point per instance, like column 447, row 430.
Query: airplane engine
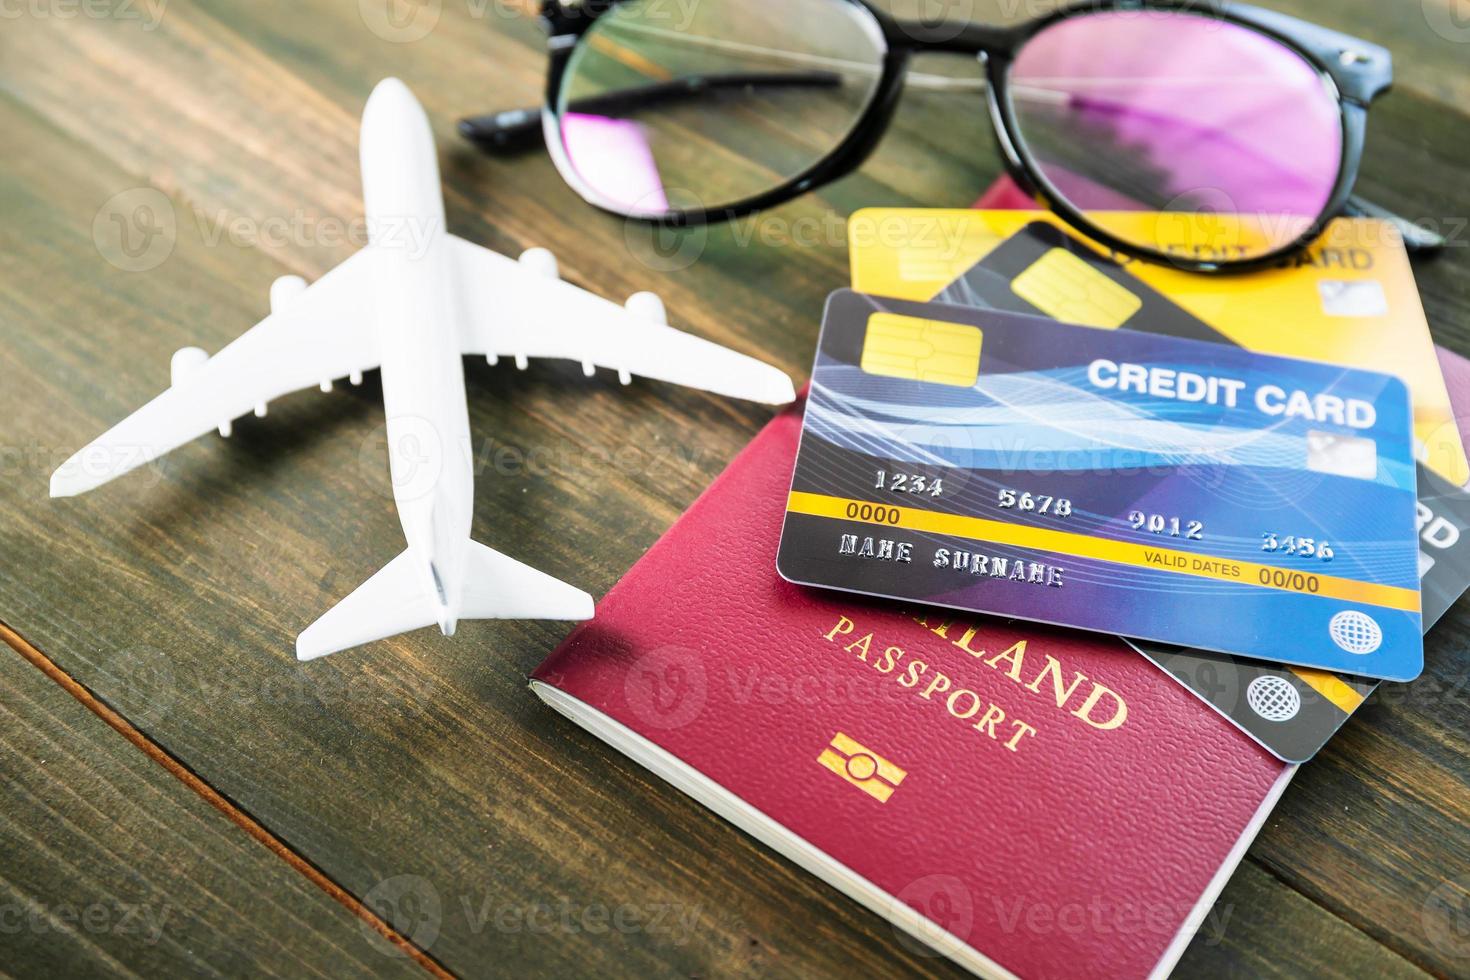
column 541, row 262
column 650, row 307
column 183, row 365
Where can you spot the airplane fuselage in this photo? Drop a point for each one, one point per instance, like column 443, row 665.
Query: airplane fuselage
column 422, row 368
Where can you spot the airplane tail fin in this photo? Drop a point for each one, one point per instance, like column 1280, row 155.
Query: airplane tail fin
column 395, row 601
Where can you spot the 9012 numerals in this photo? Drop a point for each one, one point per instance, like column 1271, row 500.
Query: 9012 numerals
column 914, row 483
column 1163, row 524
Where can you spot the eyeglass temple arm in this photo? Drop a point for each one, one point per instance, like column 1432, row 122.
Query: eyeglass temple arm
column 520, row 129
column 1418, row 240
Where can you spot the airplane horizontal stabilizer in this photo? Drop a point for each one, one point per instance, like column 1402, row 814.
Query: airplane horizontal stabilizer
column 391, row 602
column 499, row 587
column 397, row 599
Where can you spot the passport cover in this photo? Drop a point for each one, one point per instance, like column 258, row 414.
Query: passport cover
column 1061, row 808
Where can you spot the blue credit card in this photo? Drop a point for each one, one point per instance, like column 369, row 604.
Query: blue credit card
column 1164, row 489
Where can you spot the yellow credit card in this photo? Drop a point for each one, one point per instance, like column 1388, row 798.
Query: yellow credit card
column 1350, row 299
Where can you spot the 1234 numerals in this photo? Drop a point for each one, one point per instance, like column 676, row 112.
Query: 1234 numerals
column 914, row 483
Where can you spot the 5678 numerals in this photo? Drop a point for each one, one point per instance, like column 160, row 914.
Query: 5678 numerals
column 1039, row 503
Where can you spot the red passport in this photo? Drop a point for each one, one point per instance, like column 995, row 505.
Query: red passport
column 1028, row 801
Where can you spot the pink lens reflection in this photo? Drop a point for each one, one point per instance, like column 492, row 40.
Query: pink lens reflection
column 614, row 158
column 1131, row 110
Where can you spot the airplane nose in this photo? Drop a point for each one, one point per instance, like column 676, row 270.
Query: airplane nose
column 448, row 626
column 392, row 113
column 388, row 94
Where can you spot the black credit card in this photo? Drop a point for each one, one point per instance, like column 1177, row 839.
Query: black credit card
column 1293, row 711
column 1043, row 271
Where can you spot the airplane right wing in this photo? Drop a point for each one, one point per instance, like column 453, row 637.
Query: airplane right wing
column 514, row 312
column 323, row 333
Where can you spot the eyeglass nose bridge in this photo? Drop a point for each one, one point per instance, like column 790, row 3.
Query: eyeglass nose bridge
column 950, row 36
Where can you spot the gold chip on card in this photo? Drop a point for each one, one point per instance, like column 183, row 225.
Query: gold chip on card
column 917, row 349
column 1065, row 287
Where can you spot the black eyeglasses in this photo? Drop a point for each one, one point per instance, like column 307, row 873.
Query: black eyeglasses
column 1212, row 135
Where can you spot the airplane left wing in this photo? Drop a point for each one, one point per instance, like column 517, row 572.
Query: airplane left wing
column 324, row 332
column 514, row 312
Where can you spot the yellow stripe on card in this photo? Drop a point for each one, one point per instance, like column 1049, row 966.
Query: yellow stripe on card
column 1063, row 286
column 917, row 349
column 1331, row 687
column 1104, row 549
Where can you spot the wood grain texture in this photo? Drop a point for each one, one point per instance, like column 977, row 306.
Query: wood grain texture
column 112, row 866
column 419, row 773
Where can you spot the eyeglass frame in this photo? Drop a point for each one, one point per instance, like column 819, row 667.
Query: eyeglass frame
column 1354, row 71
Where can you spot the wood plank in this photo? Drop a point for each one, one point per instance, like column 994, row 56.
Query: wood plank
column 438, row 764
column 1261, row 927
column 109, row 865
column 1377, row 824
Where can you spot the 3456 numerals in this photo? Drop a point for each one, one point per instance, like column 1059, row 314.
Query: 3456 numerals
column 914, row 483
column 1300, row 547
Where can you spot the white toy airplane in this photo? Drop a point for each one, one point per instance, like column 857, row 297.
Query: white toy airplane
column 414, row 311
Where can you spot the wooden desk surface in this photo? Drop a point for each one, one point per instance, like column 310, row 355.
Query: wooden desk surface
column 180, row 794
